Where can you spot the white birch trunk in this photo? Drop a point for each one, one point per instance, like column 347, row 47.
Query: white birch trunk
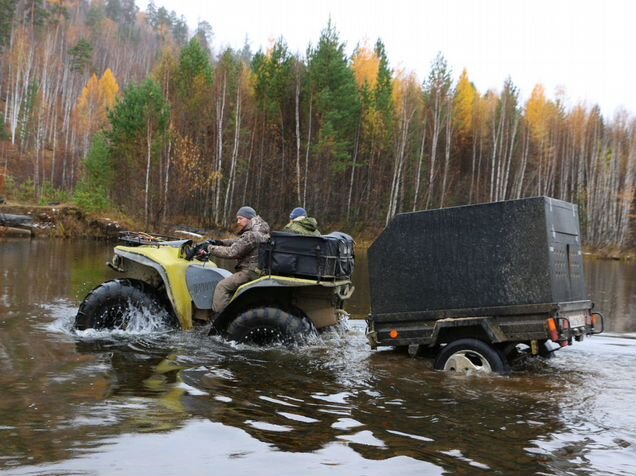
column 229, row 191
column 147, row 191
column 219, row 157
column 420, row 160
column 297, row 111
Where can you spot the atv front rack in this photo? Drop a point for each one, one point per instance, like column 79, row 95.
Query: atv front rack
column 139, row 238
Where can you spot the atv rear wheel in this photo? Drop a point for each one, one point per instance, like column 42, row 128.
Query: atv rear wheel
column 269, row 325
column 112, row 304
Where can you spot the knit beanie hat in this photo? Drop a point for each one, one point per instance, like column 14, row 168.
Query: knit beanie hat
column 246, row 212
column 297, row 213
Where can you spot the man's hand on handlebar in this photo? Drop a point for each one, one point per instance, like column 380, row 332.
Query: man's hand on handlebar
column 200, row 251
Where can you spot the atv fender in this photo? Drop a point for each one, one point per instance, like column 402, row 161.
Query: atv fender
column 172, row 272
column 314, row 298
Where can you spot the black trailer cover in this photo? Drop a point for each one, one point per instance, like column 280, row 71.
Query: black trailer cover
column 506, row 253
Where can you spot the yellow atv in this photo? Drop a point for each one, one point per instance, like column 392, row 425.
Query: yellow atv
column 304, row 284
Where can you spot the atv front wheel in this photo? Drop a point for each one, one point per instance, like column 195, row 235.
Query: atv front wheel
column 114, row 303
column 269, row 325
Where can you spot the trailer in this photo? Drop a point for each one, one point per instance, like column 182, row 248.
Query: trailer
column 477, row 286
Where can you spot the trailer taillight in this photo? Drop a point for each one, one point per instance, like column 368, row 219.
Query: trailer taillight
column 553, row 329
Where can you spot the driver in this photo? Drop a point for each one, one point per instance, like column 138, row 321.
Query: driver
column 252, row 230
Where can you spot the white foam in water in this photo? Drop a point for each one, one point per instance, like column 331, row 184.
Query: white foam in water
column 141, row 322
column 64, row 317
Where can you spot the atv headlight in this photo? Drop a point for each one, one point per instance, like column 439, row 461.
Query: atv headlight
column 117, row 263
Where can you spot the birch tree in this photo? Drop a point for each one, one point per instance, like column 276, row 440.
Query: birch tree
column 437, row 88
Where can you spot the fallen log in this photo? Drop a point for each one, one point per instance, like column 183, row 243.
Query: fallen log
column 7, row 219
column 12, row 232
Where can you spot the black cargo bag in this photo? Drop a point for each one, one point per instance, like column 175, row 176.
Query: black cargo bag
column 315, row 257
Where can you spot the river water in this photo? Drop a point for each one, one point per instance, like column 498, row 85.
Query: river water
column 172, row 402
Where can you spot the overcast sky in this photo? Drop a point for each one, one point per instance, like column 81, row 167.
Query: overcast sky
column 587, row 48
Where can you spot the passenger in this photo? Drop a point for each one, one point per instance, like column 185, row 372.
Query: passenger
column 252, row 230
column 301, row 224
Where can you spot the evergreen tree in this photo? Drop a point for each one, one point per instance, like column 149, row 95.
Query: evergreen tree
column 204, row 34
column 180, row 31
column 194, row 79
column 335, row 95
column 139, row 125
column 92, row 191
column 81, row 55
column 34, row 13
column 7, row 10
column 273, row 79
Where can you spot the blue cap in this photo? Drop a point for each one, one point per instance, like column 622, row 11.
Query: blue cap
column 297, row 213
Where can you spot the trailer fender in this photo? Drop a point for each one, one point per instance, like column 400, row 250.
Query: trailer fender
column 449, row 329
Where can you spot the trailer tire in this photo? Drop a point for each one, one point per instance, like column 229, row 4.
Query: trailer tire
column 111, row 305
column 471, row 355
column 270, row 325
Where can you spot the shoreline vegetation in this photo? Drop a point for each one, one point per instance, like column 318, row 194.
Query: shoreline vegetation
column 67, row 221
column 112, row 107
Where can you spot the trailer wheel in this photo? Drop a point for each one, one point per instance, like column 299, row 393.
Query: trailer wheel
column 269, row 325
column 112, row 304
column 471, row 355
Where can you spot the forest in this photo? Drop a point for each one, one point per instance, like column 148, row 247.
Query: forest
column 115, row 108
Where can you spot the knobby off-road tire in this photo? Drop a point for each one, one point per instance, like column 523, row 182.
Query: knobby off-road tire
column 269, row 325
column 109, row 305
column 471, row 355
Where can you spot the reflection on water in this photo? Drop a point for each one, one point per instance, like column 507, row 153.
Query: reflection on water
column 175, row 402
column 612, row 286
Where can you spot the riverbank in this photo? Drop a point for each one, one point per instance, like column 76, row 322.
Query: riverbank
column 68, row 221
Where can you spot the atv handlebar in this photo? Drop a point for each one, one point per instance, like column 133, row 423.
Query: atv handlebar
column 200, row 251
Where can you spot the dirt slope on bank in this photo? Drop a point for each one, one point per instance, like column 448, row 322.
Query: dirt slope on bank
column 66, row 221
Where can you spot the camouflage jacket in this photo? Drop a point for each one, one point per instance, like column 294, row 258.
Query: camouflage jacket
column 245, row 247
column 306, row 226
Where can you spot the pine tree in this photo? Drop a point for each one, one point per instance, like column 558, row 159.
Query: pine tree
column 336, row 108
column 7, row 10
column 92, row 192
column 139, row 124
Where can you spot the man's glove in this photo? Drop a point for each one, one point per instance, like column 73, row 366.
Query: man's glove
column 203, row 249
column 202, row 254
column 200, row 251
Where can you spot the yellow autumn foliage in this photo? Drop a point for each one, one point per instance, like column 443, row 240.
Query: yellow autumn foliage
column 406, row 92
column 464, row 105
column 98, row 96
column 365, row 65
column 110, row 89
column 537, row 113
